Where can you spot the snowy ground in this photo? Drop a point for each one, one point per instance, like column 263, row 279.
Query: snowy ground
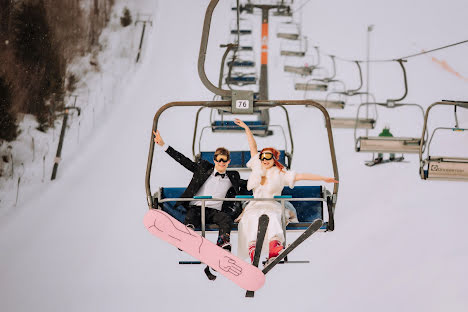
column 400, row 243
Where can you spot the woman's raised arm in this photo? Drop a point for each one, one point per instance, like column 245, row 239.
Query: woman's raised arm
column 250, row 137
column 314, row 177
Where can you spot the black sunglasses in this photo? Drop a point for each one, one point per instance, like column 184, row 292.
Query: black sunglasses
column 220, row 159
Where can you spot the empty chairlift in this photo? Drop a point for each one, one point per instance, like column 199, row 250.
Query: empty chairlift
column 294, row 48
column 449, row 168
column 311, row 84
column 302, row 66
column 339, row 99
column 241, row 78
column 385, row 143
column 329, row 80
column 289, row 31
column 244, row 59
column 245, row 27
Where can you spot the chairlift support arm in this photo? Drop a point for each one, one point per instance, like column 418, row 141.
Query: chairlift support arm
column 202, row 55
column 360, row 79
column 405, row 82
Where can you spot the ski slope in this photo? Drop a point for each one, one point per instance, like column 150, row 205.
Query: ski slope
column 399, row 243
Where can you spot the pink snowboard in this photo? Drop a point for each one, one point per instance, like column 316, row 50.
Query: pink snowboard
column 172, row 231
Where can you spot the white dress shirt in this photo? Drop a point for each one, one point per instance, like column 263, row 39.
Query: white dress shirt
column 214, row 186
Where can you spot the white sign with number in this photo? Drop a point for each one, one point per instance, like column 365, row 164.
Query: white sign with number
column 242, row 104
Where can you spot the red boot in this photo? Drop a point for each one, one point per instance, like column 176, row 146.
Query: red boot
column 275, row 248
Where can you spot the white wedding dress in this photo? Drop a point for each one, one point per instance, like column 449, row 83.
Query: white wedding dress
column 273, row 186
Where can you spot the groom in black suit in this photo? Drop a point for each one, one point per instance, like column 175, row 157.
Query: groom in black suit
column 210, row 180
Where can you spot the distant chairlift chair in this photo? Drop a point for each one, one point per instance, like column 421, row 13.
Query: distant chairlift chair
column 442, row 167
column 289, row 31
column 347, row 122
column 294, row 48
column 308, row 85
column 389, row 144
column 317, row 83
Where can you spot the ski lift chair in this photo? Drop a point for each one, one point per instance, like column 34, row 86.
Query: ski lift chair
column 347, row 122
column 349, row 92
column 244, row 59
column 289, row 31
column 307, row 200
column 241, row 79
column 241, row 63
column 385, row 144
column 338, row 99
column 442, row 167
column 319, row 82
column 286, row 11
column 309, row 84
column 296, row 48
column 244, row 43
column 245, row 27
column 302, row 66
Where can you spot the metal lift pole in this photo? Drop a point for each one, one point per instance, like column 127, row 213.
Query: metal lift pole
column 142, row 36
column 62, row 136
column 263, row 85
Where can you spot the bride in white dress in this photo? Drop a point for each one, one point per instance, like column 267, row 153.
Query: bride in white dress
column 267, row 179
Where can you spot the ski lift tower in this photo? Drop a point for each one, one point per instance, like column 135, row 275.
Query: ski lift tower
column 263, row 84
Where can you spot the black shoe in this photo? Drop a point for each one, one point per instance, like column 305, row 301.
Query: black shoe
column 224, row 242
column 227, row 246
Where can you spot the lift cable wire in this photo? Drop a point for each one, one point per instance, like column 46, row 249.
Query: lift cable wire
column 400, row 58
column 302, row 6
column 386, row 60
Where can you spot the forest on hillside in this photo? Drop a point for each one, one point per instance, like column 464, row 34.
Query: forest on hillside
column 38, row 38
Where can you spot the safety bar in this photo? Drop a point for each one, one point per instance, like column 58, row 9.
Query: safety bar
column 203, row 199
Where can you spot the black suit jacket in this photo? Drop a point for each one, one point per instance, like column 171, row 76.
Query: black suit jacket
column 202, row 169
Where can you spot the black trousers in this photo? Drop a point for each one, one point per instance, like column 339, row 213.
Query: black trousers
column 212, row 216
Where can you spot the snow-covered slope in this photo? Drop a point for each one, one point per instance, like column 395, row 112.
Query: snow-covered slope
column 399, row 243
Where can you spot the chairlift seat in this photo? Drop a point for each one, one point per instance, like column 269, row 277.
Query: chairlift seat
column 307, row 211
column 350, row 123
column 241, row 63
column 292, row 53
column 230, row 126
column 245, row 48
column 241, row 80
column 300, row 70
column 446, row 168
column 241, row 32
column 388, row 144
column 332, row 104
column 310, row 87
column 288, row 36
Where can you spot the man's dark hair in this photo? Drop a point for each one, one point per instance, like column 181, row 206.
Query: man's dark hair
column 222, row 151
